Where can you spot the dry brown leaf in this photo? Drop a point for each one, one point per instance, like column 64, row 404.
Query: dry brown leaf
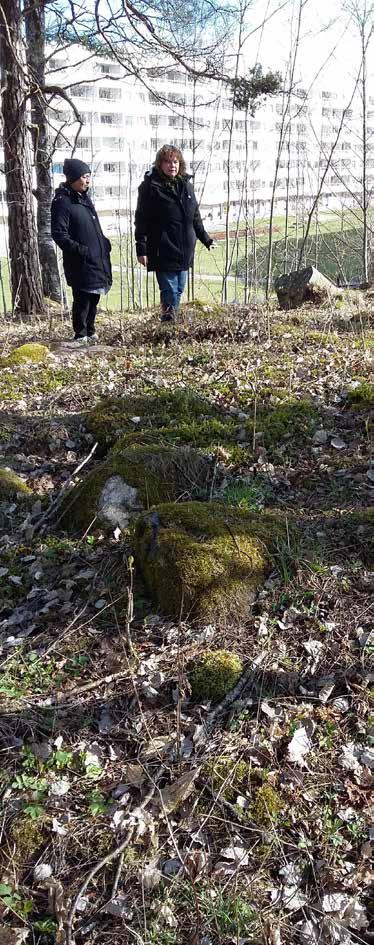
column 173, row 795
column 10, row 936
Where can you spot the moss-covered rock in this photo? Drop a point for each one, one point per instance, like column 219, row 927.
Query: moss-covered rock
column 30, row 352
column 207, row 434
column 215, row 675
column 134, row 479
column 112, row 417
column 12, row 485
column 205, row 558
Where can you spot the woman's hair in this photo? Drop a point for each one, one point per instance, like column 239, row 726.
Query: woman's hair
column 164, row 152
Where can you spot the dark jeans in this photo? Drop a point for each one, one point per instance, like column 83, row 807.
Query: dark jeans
column 83, row 313
column 171, row 285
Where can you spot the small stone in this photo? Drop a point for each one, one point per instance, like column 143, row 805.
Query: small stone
column 172, row 867
column 320, row 437
column 42, row 871
column 338, row 443
column 148, row 691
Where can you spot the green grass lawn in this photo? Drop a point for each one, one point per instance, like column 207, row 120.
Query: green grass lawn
column 334, row 248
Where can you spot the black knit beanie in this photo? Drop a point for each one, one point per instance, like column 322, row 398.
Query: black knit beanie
column 74, row 169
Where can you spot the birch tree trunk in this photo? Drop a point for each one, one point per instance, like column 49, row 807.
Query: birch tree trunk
column 35, row 35
column 25, row 274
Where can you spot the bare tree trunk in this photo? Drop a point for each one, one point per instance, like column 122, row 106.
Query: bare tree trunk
column 365, row 195
column 285, row 123
column 286, row 224
column 246, row 201
column 304, row 285
column 25, row 274
column 35, row 51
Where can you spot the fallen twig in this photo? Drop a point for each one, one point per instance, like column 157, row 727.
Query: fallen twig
column 60, row 495
column 132, row 833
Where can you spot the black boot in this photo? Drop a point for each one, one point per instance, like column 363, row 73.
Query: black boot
column 167, row 313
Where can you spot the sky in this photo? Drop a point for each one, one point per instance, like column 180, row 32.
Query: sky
column 329, row 53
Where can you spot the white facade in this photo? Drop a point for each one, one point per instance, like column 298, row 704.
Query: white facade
column 125, row 122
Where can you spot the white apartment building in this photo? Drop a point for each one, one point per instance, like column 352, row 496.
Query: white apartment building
column 126, row 121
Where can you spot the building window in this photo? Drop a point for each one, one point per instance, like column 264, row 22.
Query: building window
column 82, row 91
column 111, row 119
column 108, row 68
column 112, row 95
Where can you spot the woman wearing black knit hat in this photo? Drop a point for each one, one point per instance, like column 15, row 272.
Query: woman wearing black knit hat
column 85, row 249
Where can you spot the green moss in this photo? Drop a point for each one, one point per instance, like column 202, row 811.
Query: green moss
column 29, row 352
column 180, row 417
column 26, row 838
column 114, row 416
column 215, row 675
column 362, row 396
column 230, row 778
column 206, row 559
column 209, row 435
column 266, row 806
column 11, row 485
column 158, row 473
column 293, row 419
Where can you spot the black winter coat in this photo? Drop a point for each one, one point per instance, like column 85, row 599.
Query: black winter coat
column 77, row 231
column 167, row 223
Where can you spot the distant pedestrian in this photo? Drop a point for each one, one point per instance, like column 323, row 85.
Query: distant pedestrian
column 167, row 224
column 85, row 249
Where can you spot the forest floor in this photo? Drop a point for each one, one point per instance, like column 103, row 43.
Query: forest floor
column 129, row 812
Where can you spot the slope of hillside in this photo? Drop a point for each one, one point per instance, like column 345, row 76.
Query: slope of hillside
column 166, row 780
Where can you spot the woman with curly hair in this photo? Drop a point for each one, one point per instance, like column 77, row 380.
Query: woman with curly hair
column 167, row 224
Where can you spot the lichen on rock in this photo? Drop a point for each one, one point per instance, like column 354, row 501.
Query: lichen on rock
column 214, row 675
column 205, row 559
column 12, row 485
column 29, row 352
column 136, row 478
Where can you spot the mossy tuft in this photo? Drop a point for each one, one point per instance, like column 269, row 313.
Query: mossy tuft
column 11, row 485
column 30, row 352
column 26, row 839
column 208, row 559
column 229, row 777
column 361, row 395
column 158, row 473
column 215, row 675
column 266, row 806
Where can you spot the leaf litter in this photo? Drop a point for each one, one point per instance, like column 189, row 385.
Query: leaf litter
column 254, row 827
